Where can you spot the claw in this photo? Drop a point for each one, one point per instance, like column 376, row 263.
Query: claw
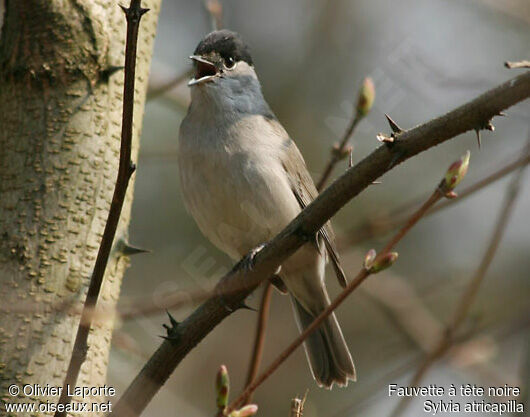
column 249, row 260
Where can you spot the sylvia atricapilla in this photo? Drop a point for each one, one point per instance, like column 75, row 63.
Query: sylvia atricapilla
column 243, row 180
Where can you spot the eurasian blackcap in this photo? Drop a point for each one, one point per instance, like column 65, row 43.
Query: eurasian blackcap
column 243, row 180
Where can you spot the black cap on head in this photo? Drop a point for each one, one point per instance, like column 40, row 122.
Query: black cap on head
column 226, row 43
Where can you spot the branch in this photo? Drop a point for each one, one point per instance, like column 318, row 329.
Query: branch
column 259, row 340
column 373, row 264
column 145, row 306
column 156, row 91
column 468, row 297
column 386, row 223
column 340, row 150
column 240, row 282
column 125, row 170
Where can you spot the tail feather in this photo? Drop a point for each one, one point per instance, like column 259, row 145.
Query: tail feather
column 326, row 350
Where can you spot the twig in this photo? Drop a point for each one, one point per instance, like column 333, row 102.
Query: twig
column 240, row 282
column 156, row 91
column 468, row 297
column 215, row 9
column 520, row 64
column 384, row 224
column 370, row 390
column 297, row 406
column 145, row 306
column 259, row 340
column 335, row 155
column 340, row 150
column 125, row 170
column 364, row 273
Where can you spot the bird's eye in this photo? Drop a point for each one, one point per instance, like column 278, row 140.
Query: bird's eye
column 230, row 63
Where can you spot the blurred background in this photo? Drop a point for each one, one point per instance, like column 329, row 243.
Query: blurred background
column 425, row 57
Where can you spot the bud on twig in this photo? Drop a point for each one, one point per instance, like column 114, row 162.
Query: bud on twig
column 339, row 152
column 369, row 258
column 246, row 411
column 386, row 261
column 366, row 97
column 455, row 174
column 222, row 386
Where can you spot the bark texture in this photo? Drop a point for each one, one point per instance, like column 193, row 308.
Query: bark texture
column 60, row 119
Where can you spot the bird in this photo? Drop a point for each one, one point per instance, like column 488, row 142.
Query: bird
column 243, row 179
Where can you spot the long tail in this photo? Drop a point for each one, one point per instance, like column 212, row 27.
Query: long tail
column 326, row 350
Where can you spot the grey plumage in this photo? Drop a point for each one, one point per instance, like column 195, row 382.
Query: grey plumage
column 243, row 180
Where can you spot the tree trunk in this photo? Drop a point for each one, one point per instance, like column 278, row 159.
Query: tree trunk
column 60, row 120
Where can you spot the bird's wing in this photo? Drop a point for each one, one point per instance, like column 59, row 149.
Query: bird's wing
column 305, row 191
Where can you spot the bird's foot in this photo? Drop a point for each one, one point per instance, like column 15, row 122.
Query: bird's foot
column 249, row 260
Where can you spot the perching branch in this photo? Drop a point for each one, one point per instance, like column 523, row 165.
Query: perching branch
column 145, row 306
column 468, row 297
column 373, row 264
column 125, row 170
column 240, row 282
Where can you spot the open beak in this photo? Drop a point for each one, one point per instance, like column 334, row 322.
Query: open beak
column 204, row 70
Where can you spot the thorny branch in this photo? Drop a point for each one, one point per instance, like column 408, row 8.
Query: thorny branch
column 125, row 170
column 468, row 297
column 240, row 282
column 386, row 223
column 373, row 264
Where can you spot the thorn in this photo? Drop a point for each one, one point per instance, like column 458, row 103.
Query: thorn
column 489, row 126
column 350, row 162
column 501, row 113
column 132, row 250
column 174, row 323
column 105, row 74
column 132, row 168
column 172, row 329
column 393, row 125
column 477, row 131
column 450, row 195
column 381, row 137
column 376, row 182
column 244, row 306
column 135, row 12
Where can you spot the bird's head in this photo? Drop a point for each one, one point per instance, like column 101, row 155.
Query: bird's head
column 221, row 56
